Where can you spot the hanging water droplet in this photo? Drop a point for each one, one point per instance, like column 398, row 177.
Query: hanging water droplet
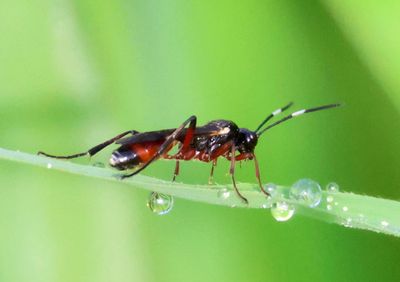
column 282, row 211
column 332, row 187
column 49, row 165
column 307, row 191
column 98, row 164
column 160, row 203
column 224, row 193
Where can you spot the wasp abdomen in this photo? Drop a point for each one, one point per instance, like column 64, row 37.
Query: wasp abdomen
column 131, row 155
column 124, row 158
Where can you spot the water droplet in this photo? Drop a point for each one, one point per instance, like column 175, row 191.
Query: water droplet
column 329, row 199
column 271, row 188
column 361, row 218
column 307, row 191
column 332, row 187
column 348, row 222
column 329, row 207
column 384, row 223
column 345, row 209
column 98, row 164
column 49, row 165
column 160, row 203
column 282, row 211
column 224, row 193
column 267, row 203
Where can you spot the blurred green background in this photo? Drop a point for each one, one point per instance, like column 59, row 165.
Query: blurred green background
column 74, row 73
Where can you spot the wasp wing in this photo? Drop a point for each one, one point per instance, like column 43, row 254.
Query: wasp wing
column 150, row 136
column 210, row 129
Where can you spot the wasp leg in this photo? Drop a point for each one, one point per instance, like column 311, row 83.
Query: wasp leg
column 211, row 177
column 170, row 139
column 258, row 176
column 232, row 173
column 176, row 172
column 93, row 150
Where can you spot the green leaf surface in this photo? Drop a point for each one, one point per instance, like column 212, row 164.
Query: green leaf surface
column 347, row 209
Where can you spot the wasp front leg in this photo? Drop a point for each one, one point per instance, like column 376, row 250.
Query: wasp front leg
column 258, row 176
column 232, row 173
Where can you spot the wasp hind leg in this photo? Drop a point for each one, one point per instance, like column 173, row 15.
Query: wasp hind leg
column 93, row 150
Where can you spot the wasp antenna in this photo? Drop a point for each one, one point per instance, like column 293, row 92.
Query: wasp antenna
column 274, row 113
column 299, row 113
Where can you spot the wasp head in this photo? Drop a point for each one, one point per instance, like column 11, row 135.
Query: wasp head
column 246, row 141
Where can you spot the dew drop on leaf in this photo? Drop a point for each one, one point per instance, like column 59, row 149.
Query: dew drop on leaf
column 332, row 187
column 384, row 223
column 306, row 191
column 224, row 193
column 271, row 188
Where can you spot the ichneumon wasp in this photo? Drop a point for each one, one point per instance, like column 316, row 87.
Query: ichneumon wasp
column 218, row 138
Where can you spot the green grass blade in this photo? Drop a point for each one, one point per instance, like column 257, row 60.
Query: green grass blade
column 347, row 209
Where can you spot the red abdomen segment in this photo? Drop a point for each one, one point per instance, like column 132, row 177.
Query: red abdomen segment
column 145, row 151
column 131, row 155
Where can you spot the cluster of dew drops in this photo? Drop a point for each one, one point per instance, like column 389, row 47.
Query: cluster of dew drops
column 305, row 191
